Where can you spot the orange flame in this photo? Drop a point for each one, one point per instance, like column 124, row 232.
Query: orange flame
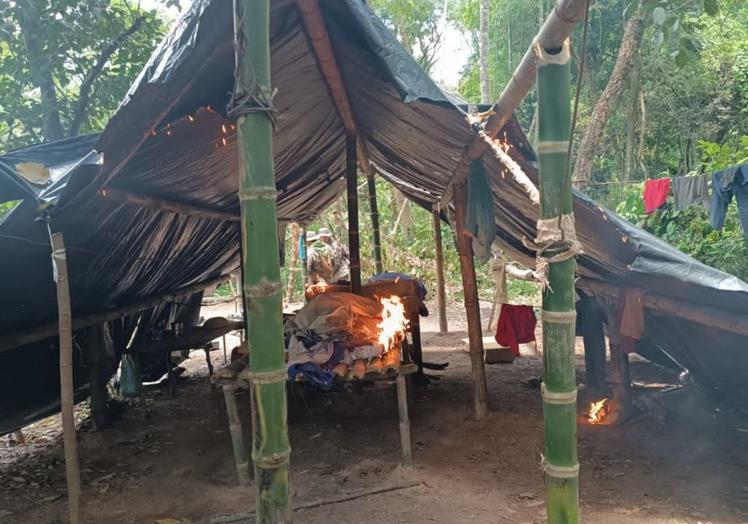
column 394, row 323
column 601, row 412
column 316, row 289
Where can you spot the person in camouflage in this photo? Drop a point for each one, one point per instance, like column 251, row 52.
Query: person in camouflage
column 340, row 258
column 319, row 260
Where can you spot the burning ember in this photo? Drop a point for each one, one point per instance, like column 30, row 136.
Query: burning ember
column 316, row 289
column 394, row 323
column 602, row 412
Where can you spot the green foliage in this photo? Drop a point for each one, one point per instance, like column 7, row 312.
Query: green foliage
column 72, row 35
column 418, row 25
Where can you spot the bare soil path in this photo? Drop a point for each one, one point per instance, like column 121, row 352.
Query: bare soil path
column 687, row 463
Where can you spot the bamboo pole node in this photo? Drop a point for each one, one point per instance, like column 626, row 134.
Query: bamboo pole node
column 555, row 146
column 258, row 193
column 268, row 377
column 263, row 289
column 545, row 56
column 272, row 461
column 559, row 317
column 558, row 397
column 560, row 472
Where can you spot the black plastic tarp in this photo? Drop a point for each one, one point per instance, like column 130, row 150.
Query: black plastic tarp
column 170, row 139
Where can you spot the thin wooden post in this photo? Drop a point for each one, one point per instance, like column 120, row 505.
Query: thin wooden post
column 591, row 323
column 95, row 351
column 441, row 295
column 262, row 286
column 472, row 306
column 303, row 260
column 620, row 375
column 293, row 264
column 402, row 409
column 351, row 170
column 67, row 401
column 241, row 457
column 371, row 185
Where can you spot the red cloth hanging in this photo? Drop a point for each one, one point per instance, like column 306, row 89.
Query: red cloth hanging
column 516, row 326
column 655, row 193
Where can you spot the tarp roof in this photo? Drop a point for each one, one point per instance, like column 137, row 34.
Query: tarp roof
column 170, row 139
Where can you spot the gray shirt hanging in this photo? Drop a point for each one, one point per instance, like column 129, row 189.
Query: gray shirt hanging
column 690, row 191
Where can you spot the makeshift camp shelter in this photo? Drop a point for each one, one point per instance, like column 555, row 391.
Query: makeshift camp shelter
column 150, row 214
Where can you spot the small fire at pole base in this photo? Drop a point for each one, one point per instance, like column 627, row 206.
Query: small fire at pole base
column 602, row 413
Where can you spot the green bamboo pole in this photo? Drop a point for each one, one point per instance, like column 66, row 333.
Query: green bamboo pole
column 559, row 384
column 371, row 185
column 263, row 290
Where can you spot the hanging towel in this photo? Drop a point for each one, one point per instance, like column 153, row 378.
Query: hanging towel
column 655, row 193
column 480, row 221
column 516, row 326
column 690, row 191
column 725, row 184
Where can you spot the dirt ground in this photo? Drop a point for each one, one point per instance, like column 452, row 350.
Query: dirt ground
column 686, row 462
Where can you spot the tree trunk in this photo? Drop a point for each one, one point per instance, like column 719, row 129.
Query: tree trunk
column 558, row 313
column 29, row 20
column 632, row 35
column 485, row 86
column 629, row 162
column 262, row 287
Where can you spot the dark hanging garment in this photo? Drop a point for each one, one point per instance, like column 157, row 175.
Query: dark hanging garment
column 655, row 193
column 480, row 220
column 691, row 191
column 725, row 184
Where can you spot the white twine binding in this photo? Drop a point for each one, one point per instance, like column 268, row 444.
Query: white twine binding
column 269, row 377
column 558, row 397
column 560, row 472
column 554, row 233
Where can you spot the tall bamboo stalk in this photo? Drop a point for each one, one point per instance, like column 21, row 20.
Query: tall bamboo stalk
column 441, row 295
column 559, row 382
column 351, row 170
column 263, row 290
column 371, row 185
column 67, row 400
column 472, row 306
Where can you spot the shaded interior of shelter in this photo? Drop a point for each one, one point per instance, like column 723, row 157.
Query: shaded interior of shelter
column 173, row 141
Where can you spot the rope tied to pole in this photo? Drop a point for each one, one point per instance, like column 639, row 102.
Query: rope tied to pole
column 558, row 236
column 255, row 99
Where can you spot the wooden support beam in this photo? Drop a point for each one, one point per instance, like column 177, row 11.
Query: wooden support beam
column 620, row 376
column 441, row 295
column 170, row 206
column 95, row 357
column 706, row 316
column 319, row 39
column 555, row 30
column 351, row 172
column 28, row 336
column 472, row 306
column 590, row 321
column 371, row 185
column 67, row 388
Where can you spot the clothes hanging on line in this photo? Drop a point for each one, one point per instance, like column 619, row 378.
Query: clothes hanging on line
column 726, row 184
column 516, row 326
column 655, row 193
column 690, row 191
